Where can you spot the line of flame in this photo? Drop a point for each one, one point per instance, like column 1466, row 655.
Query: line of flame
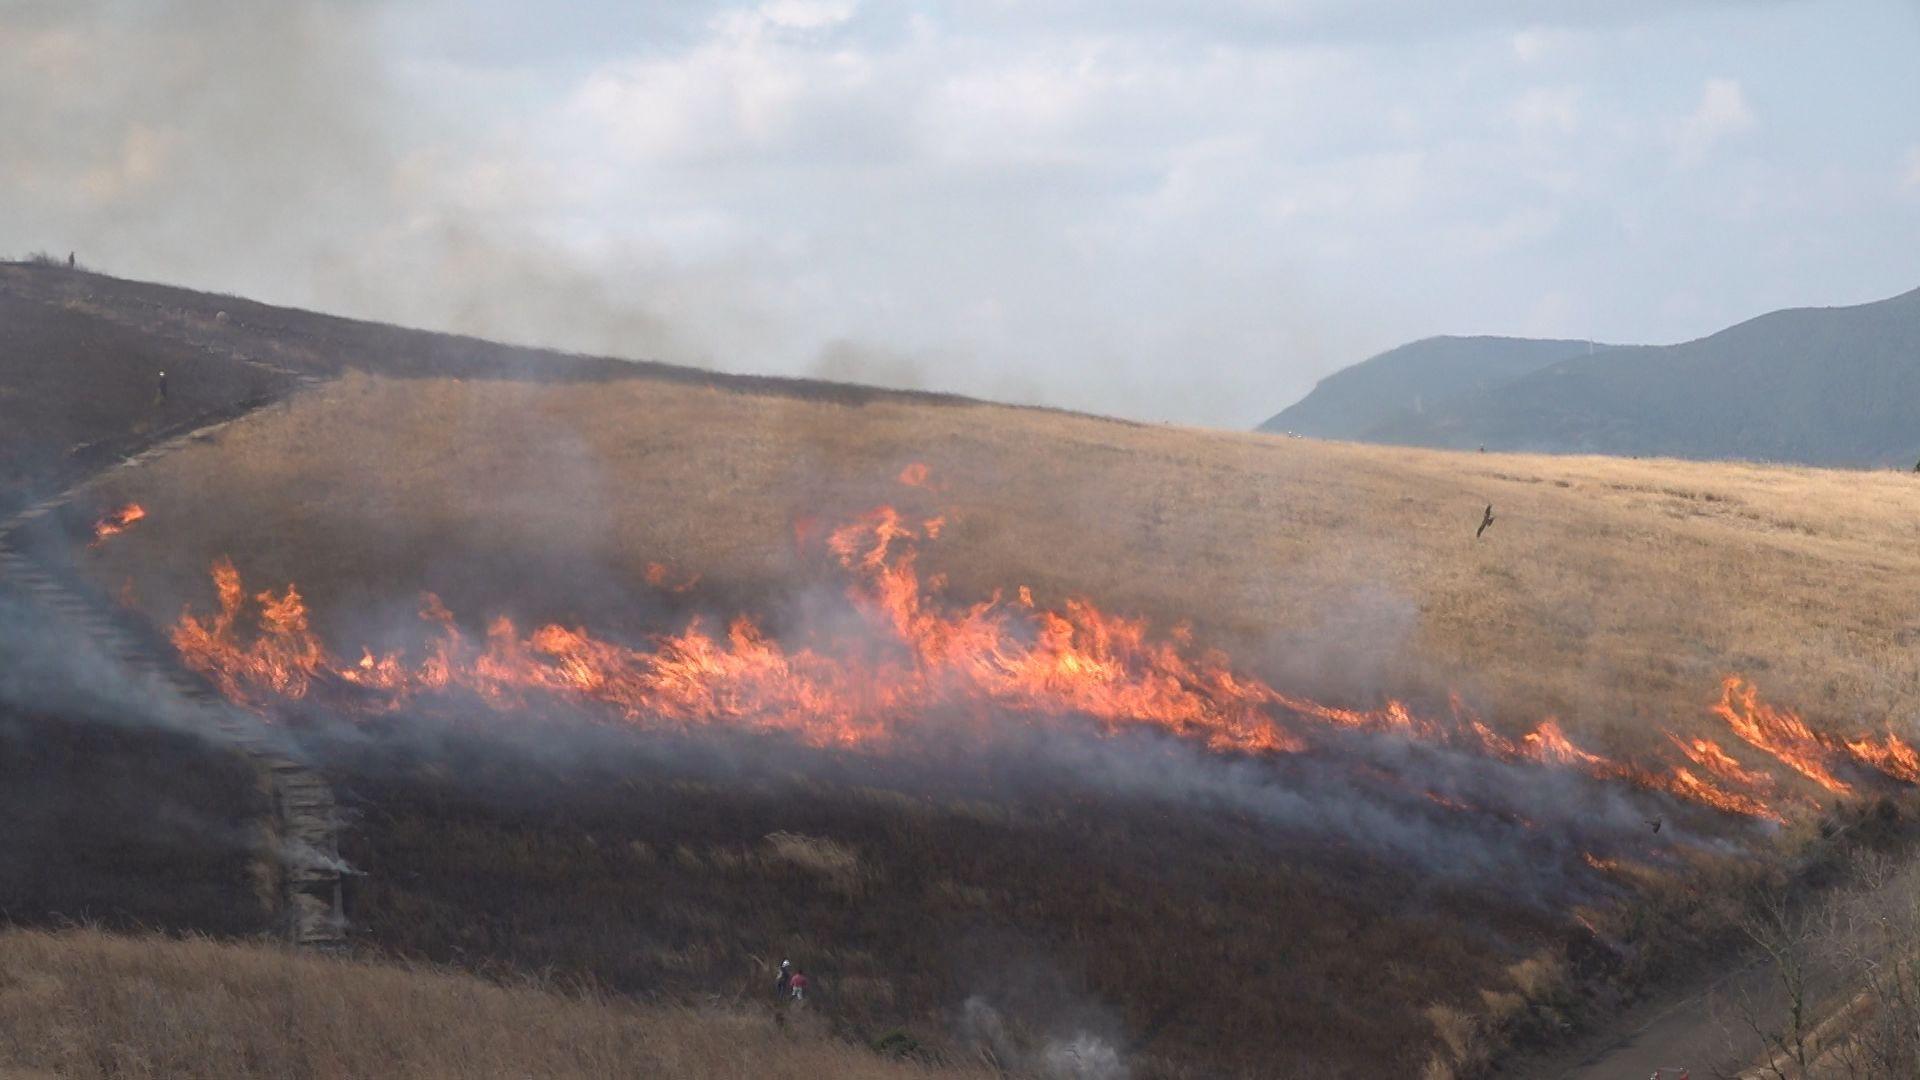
column 920, row 656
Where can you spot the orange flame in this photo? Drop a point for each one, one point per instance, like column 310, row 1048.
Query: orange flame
column 1892, row 756
column 1778, row 732
column 283, row 659
column 1708, row 755
column 116, row 523
column 915, row 475
column 922, row 656
column 1077, row 661
column 1815, row 755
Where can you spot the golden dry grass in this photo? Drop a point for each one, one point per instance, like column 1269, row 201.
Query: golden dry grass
column 82, row 1003
column 1613, row 593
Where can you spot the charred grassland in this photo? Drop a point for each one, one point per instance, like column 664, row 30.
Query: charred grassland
column 1614, row 596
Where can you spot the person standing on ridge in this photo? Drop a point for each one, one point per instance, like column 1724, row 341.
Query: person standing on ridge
column 162, row 388
column 799, row 986
column 785, row 982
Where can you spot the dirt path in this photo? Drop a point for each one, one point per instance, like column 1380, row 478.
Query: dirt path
column 1701, row 1030
column 303, row 837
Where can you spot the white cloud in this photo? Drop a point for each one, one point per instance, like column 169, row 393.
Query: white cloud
column 743, row 92
column 793, row 16
column 1538, row 43
column 1547, row 110
column 1025, row 110
column 1517, row 228
column 1722, row 113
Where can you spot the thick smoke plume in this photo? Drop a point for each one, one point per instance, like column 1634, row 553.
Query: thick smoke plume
column 324, row 153
column 262, row 149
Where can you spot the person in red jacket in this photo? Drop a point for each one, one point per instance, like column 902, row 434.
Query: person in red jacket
column 797, row 986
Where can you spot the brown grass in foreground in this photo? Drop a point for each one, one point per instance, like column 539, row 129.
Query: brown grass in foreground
column 82, row 1003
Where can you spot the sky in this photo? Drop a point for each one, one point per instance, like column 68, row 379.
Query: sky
column 1184, row 211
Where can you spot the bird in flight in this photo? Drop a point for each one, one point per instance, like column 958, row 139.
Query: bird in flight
column 1485, row 520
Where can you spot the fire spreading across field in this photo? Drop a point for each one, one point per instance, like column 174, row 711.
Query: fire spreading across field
column 922, row 656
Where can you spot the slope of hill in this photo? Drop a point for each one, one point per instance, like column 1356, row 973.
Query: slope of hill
column 1401, row 384
column 1830, row 386
column 1033, row 858
column 1605, row 589
column 1611, row 594
column 1822, row 386
column 125, row 826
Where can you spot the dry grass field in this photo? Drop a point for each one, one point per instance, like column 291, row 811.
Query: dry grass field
column 83, row 1004
column 1611, row 593
column 1159, row 900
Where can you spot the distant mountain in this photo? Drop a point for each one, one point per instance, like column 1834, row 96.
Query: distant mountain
column 1401, row 384
column 1823, row 386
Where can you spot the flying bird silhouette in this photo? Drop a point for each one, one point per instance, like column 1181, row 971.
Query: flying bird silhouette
column 1485, row 521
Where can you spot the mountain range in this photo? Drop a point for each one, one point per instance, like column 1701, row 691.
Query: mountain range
column 1820, row 386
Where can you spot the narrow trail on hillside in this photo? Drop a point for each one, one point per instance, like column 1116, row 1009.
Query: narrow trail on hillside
column 1707, row 1026
column 303, row 835
column 1700, row 1029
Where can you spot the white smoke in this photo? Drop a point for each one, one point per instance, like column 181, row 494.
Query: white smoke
column 1071, row 1055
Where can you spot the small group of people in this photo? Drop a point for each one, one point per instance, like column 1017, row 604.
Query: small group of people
column 792, row 984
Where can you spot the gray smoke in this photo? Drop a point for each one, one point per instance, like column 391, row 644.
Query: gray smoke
column 257, row 149
column 311, row 152
column 46, row 665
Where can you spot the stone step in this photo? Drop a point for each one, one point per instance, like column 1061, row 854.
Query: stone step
column 303, row 800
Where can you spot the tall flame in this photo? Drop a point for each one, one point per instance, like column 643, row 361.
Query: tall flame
column 1813, row 754
column 916, row 656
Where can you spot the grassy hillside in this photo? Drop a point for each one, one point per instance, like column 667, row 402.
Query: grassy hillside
column 1831, row 386
column 1613, row 594
column 1397, row 386
column 84, row 1004
column 1003, row 880
column 1610, row 593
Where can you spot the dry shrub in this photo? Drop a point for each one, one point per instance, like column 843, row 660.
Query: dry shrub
column 1541, row 977
column 1461, row 1037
